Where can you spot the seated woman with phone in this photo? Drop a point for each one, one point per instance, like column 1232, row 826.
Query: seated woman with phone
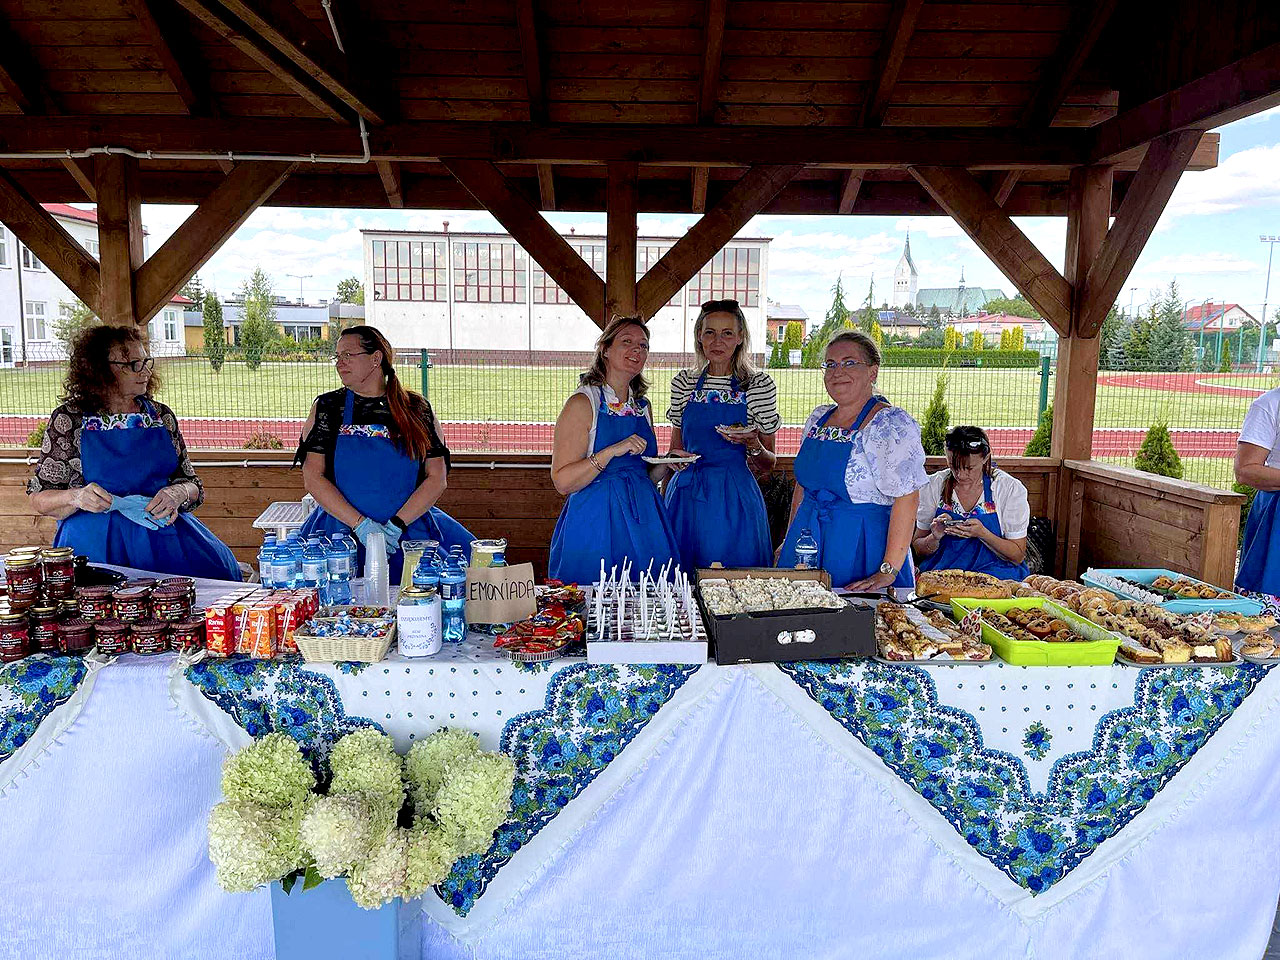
column 972, row 516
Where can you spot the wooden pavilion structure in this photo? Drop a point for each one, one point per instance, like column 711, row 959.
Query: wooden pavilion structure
column 984, row 110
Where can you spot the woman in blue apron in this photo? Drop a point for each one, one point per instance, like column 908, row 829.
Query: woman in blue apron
column 613, row 513
column 972, row 516
column 1258, row 465
column 858, row 476
column 372, row 455
column 113, row 466
column 716, row 508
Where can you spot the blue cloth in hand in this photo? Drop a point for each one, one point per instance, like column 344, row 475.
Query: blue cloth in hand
column 135, row 508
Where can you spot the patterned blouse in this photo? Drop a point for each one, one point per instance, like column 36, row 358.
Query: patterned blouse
column 59, row 465
column 370, row 416
column 886, row 460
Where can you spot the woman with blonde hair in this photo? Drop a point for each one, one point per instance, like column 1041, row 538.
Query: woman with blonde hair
column 613, row 512
column 727, row 413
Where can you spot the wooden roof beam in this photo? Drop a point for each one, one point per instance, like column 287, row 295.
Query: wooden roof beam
column 389, row 172
column 694, row 250
column 1148, row 195
column 1239, row 89
column 531, row 61
column 712, row 55
column 958, row 193
column 699, row 180
column 550, row 250
column 49, row 241
column 547, row 186
column 850, row 186
column 159, row 37
column 201, row 235
column 893, row 51
column 620, row 240
column 120, row 243
column 20, row 76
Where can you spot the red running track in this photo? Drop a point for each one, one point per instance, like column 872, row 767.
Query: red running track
column 1186, row 383
column 471, row 436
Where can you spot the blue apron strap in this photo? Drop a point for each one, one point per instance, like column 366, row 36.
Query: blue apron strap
column 348, row 408
column 702, row 378
column 866, row 409
column 986, row 490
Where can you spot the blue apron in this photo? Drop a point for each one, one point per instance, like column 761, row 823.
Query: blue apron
column 618, row 515
column 957, row 553
column 851, row 536
column 1260, row 552
column 715, row 505
column 377, row 477
column 139, row 459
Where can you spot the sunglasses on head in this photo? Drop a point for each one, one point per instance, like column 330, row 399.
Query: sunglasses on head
column 967, row 445
column 711, row 306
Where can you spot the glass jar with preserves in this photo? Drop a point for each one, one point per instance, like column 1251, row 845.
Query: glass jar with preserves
column 94, row 603
column 187, row 635
column 186, row 583
column 149, row 637
column 111, row 637
column 132, row 603
column 43, row 627
column 75, row 636
column 22, row 576
column 59, row 567
column 15, row 641
column 170, row 602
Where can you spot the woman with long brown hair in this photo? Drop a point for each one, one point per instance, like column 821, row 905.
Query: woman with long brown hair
column 372, row 455
column 613, row 513
column 113, row 467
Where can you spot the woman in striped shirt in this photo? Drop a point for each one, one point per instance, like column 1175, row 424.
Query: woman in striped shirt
column 727, row 413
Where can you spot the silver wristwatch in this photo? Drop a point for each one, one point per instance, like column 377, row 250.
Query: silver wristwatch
column 888, row 569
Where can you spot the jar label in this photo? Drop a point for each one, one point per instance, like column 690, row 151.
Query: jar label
column 418, row 628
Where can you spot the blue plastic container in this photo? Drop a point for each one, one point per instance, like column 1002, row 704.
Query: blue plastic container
column 1235, row 604
column 325, row 924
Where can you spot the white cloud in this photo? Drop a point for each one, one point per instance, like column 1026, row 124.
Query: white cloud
column 1245, row 179
column 935, row 228
column 1262, row 117
column 1201, row 263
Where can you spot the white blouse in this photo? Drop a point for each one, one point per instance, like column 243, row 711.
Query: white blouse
column 886, row 460
column 615, row 407
column 1262, row 425
column 1008, row 494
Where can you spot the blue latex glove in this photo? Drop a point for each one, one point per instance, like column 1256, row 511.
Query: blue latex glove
column 135, row 508
column 393, row 535
column 364, row 528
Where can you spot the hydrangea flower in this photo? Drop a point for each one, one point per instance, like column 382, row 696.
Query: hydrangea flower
column 381, row 876
column 270, row 772
column 365, row 763
column 474, row 799
column 244, row 848
column 427, row 761
column 338, row 833
column 431, row 855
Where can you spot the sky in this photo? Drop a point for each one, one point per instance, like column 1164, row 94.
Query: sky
column 1207, row 239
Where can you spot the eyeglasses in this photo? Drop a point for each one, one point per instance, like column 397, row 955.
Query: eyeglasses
column 137, row 366
column 338, row 358
column 846, row 364
column 711, row 306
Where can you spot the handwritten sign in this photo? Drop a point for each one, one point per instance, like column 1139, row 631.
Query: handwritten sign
column 500, row 594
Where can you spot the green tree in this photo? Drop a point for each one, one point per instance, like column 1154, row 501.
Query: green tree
column 776, row 358
column 1014, row 306
column 1017, row 338
column 933, row 427
column 1157, row 454
column 1110, row 334
column 934, row 317
column 976, row 340
column 1224, row 358
column 836, row 319
column 215, row 335
column 1041, row 441
column 932, row 339
column 258, row 323
column 877, row 333
column 793, row 339
column 1137, row 345
column 194, row 291
column 350, row 290
column 73, row 320
column 1170, row 347
column 952, row 339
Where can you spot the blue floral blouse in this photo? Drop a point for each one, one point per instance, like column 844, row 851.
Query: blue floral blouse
column 886, row 460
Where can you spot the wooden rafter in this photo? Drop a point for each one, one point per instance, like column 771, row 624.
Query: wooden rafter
column 1237, row 90
column 210, row 225
column 849, row 189
column 535, row 87
column 1148, row 194
column 550, row 250
column 961, row 196
column 49, row 241
column 120, row 245
column 159, row 37
column 620, row 240
column 699, row 179
column 20, row 76
column 547, row 186
column 694, row 250
column 389, row 172
column 1004, row 190
column 893, row 51
column 712, row 54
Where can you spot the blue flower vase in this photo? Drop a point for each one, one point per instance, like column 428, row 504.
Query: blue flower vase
column 324, row 923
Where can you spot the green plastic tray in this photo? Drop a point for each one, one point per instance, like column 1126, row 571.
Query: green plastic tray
column 1098, row 651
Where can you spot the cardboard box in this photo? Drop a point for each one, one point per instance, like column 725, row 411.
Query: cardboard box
column 757, row 637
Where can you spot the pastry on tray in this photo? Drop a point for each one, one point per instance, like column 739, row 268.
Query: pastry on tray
column 944, row 585
column 1263, row 649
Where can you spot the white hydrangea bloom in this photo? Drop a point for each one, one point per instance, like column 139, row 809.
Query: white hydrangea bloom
column 338, row 832
column 474, row 799
column 381, row 876
column 270, row 772
column 427, row 761
column 365, row 763
column 431, row 855
column 243, row 848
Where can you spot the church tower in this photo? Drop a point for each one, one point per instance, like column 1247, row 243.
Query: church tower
column 905, row 277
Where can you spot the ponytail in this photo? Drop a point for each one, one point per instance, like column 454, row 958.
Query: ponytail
column 407, row 407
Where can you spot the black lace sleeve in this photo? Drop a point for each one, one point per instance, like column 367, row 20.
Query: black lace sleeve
column 438, row 448
column 324, row 432
column 58, row 467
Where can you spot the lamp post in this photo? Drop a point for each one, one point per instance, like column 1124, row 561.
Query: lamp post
column 1271, row 242
column 299, row 278
column 1132, row 290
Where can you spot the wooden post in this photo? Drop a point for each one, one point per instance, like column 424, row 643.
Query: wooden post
column 620, row 257
column 119, row 236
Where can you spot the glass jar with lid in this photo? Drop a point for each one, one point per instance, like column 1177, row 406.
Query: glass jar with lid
column 58, row 565
column 15, row 641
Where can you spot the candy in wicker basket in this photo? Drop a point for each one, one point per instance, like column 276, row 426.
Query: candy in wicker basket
column 328, row 639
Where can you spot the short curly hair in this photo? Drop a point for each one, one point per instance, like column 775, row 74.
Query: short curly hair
column 89, row 375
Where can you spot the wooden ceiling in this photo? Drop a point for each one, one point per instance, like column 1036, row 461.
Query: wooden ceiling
column 695, row 90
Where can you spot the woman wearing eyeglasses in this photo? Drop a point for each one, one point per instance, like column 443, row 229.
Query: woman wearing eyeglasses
column 973, row 516
column 113, row 467
column 858, row 475
column 372, row 455
column 715, row 505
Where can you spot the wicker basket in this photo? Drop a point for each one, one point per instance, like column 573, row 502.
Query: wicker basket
column 334, row 649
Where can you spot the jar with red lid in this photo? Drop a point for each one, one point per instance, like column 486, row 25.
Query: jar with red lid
column 43, row 627
column 59, row 568
column 94, row 602
column 132, row 603
column 170, row 603
column 15, row 641
column 22, row 576
column 149, row 637
column 187, row 635
column 75, row 636
column 111, row 637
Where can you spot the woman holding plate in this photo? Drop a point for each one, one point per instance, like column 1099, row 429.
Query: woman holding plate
column 727, row 414
column 613, row 513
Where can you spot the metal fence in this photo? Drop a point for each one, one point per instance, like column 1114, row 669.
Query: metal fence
column 507, row 402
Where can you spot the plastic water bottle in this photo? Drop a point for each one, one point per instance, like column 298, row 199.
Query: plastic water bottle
column 339, row 563
column 265, row 559
column 453, row 602
column 295, row 562
column 315, row 568
column 377, row 574
column 426, row 575
column 282, row 571
column 806, row 551
column 458, row 555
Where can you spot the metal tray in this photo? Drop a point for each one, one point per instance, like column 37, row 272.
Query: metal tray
column 939, row 662
column 1160, row 666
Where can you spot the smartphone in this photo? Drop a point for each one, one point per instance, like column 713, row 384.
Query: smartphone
column 954, row 523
